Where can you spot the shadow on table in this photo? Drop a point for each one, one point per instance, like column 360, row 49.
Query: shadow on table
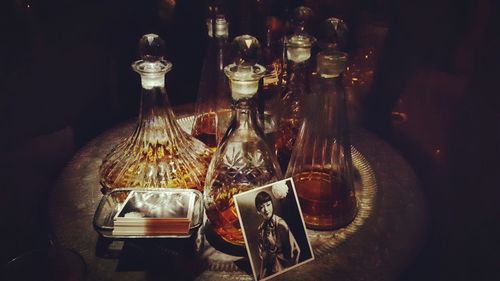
column 159, row 258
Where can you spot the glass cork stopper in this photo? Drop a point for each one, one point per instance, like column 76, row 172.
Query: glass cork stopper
column 333, row 34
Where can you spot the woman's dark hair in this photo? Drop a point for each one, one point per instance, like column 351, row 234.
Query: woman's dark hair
column 261, row 198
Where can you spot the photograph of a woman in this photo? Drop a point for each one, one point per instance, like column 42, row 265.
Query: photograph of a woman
column 274, row 230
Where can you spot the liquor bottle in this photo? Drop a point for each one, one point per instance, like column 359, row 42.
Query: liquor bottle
column 243, row 160
column 321, row 163
column 298, row 53
column 213, row 104
column 158, row 153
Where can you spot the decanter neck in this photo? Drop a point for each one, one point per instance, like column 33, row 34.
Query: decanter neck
column 154, row 102
column 331, row 84
column 298, row 75
column 327, row 109
column 245, row 115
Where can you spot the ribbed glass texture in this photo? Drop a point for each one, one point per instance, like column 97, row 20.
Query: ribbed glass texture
column 158, row 153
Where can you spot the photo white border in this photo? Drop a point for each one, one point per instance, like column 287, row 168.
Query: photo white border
column 245, row 236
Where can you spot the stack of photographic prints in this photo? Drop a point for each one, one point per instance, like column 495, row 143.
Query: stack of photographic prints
column 273, row 228
column 155, row 213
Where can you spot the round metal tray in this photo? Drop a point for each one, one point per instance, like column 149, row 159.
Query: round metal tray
column 380, row 241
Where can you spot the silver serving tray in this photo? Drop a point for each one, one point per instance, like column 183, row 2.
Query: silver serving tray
column 112, row 202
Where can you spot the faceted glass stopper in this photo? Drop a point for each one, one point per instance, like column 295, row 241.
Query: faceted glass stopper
column 246, row 50
column 333, row 34
column 244, row 74
column 151, row 47
column 302, row 17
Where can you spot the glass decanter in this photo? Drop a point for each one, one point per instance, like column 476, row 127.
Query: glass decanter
column 158, row 153
column 271, row 29
column 213, row 104
column 321, row 163
column 242, row 160
column 298, row 53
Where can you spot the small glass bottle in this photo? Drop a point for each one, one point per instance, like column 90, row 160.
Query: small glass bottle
column 298, row 54
column 213, row 104
column 321, row 163
column 243, row 159
column 158, row 153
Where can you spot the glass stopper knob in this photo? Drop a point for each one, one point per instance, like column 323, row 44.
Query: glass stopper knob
column 246, row 50
column 302, row 17
column 333, row 34
column 151, row 47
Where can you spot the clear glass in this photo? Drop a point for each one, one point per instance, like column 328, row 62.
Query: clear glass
column 298, row 53
column 321, row 163
column 213, row 104
column 243, row 160
column 158, row 153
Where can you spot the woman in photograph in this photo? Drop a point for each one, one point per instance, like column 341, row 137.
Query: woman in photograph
column 278, row 248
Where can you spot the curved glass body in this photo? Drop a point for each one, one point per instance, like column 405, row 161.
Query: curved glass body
column 243, row 161
column 321, row 163
column 158, row 153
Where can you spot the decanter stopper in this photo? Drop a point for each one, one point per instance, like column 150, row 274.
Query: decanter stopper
column 333, row 34
column 151, row 47
column 302, row 17
column 298, row 45
column 244, row 73
column 152, row 66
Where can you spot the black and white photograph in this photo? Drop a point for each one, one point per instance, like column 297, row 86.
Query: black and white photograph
column 274, row 230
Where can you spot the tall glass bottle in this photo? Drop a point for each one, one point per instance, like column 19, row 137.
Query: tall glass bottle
column 298, row 54
column 321, row 163
column 242, row 160
column 158, row 153
column 213, row 104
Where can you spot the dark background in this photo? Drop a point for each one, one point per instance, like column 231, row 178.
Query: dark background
column 65, row 77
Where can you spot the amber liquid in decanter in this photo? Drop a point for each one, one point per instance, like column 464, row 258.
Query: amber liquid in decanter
column 205, row 129
column 284, row 140
column 325, row 199
column 224, row 217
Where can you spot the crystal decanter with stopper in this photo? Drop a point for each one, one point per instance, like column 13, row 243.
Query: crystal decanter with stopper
column 213, row 104
column 158, row 153
column 321, row 163
column 242, row 160
column 298, row 53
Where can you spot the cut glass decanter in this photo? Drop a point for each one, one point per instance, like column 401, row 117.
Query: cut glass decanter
column 243, row 160
column 158, row 153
